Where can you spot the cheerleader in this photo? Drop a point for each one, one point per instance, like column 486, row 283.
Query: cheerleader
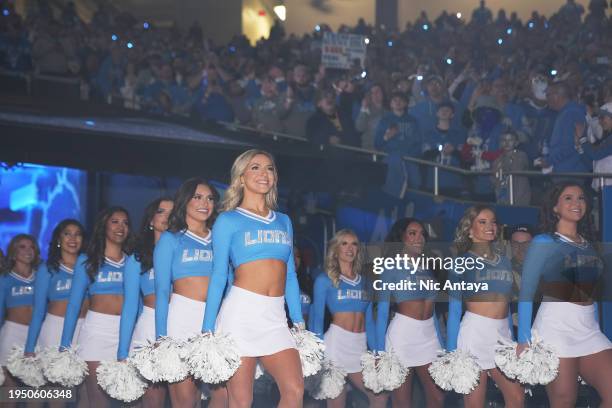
column 486, row 319
column 259, row 242
column 52, row 288
column 568, row 270
column 99, row 273
column 413, row 334
column 183, row 263
column 17, row 296
column 138, row 278
column 342, row 290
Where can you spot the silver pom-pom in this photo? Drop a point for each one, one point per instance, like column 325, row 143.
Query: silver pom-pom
column 212, row 358
column 161, row 361
column 328, row 383
column 537, row 365
column 382, row 371
column 63, row 367
column 27, row 369
column 456, row 371
column 120, row 380
column 311, row 349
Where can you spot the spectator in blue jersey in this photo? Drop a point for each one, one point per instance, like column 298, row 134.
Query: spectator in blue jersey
column 268, row 108
column 425, row 111
column 99, row 274
column 299, row 101
column 482, row 15
column 331, row 124
column 213, row 104
column 165, row 94
column 398, row 134
column 540, row 117
column 443, row 145
column 137, row 327
column 600, row 152
column 570, row 122
column 514, row 115
column 16, row 296
column 182, row 261
column 109, row 77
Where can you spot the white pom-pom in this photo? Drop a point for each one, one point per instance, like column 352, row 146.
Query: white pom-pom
column 382, row 371
column 63, row 367
column 328, row 383
column 311, row 349
column 456, row 371
column 212, row 358
column 161, row 361
column 27, row 369
column 120, row 380
column 537, row 364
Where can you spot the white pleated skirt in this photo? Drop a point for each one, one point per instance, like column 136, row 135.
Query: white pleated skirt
column 345, row 348
column 256, row 322
column 144, row 331
column 479, row 336
column 99, row 337
column 11, row 334
column 51, row 331
column 570, row 328
column 185, row 317
column 415, row 342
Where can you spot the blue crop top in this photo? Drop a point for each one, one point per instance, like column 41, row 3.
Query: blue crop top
column 242, row 236
column 177, row 255
column 109, row 281
column 50, row 285
column 135, row 283
column 15, row 291
column 349, row 296
column 496, row 274
column 554, row 258
column 417, row 291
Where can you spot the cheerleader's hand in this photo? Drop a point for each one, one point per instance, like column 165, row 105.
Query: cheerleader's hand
column 520, row 348
column 30, row 354
column 300, row 326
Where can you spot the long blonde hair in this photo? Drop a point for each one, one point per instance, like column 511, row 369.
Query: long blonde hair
column 332, row 265
column 463, row 242
column 235, row 192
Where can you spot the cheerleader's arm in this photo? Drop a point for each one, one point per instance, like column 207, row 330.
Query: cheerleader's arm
column 317, row 309
column 221, row 239
column 80, row 282
column 162, row 264
column 131, row 303
column 292, row 287
column 382, row 318
column 41, row 287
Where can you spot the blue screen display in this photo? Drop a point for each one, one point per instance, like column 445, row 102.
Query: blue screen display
column 34, row 198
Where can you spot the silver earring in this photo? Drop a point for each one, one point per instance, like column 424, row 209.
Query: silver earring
column 150, row 227
column 59, row 245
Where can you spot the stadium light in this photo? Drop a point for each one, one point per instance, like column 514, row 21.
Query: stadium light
column 280, row 11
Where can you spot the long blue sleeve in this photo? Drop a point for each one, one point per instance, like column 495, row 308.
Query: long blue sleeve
column 454, row 320
column 382, row 318
column 292, row 286
column 370, row 327
column 162, row 264
column 129, row 310
column 80, row 282
column 317, row 310
column 41, row 288
column 597, row 152
column 221, row 241
column 537, row 259
column 2, row 300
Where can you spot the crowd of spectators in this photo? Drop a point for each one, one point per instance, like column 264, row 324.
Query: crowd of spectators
column 488, row 93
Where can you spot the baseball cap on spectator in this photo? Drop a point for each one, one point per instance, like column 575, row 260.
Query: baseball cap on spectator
column 520, row 228
column 606, row 110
